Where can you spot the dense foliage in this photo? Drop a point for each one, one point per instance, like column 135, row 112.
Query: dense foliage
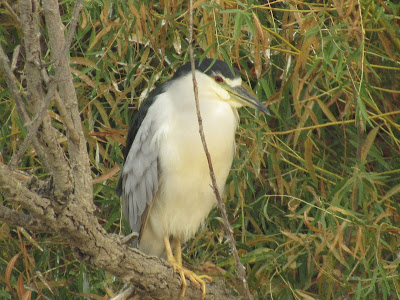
column 314, row 191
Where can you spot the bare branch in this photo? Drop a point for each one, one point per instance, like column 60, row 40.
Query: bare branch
column 78, row 157
column 73, row 135
column 15, row 218
column 11, row 11
column 14, row 191
column 63, row 54
column 15, row 57
column 72, row 27
column 221, row 205
column 33, row 126
column 70, row 36
column 29, row 16
column 12, row 84
column 51, row 154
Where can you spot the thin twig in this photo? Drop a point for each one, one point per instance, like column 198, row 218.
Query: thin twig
column 33, row 126
column 15, row 55
column 11, row 11
column 11, row 82
column 67, row 120
column 239, row 266
column 72, row 27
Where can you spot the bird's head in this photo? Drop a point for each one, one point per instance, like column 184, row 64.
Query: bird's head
column 216, row 77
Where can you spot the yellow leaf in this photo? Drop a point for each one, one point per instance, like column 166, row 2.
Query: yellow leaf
column 394, row 190
column 9, row 269
column 293, row 237
column 368, row 143
column 102, row 32
column 82, row 61
column 326, row 111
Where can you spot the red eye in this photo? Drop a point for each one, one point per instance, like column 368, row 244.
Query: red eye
column 218, row 79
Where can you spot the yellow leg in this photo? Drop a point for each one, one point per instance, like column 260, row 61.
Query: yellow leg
column 176, row 263
column 178, row 250
column 177, row 268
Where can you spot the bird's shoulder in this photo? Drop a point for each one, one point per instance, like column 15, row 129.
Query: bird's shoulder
column 140, row 115
column 138, row 120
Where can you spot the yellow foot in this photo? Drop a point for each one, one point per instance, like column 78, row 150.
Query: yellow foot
column 176, row 263
column 198, row 280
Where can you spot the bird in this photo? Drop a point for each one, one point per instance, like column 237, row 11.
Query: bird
column 165, row 184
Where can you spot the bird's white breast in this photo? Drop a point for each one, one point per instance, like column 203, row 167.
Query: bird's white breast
column 185, row 196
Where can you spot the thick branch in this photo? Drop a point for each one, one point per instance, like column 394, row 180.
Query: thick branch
column 53, row 157
column 15, row 218
column 78, row 157
column 16, row 192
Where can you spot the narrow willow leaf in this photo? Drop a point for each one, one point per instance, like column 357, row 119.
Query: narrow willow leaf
column 308, row 148
column 237, row 29
column 393, row 191
column 369, row 141
column 97, row 38
column 326, row 111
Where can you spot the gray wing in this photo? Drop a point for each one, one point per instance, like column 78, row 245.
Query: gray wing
column 139, row 178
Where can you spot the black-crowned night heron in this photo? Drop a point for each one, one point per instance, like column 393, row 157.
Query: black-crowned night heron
column 165, row 182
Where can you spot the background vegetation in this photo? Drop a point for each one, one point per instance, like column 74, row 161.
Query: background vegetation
column 314, row 191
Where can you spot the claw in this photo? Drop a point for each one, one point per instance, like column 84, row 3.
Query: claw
column 176, row 263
